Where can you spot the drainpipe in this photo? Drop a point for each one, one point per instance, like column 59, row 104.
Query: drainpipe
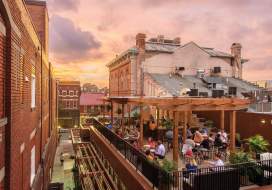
column 41, row 134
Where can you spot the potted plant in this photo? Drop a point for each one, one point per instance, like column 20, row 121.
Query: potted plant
column 167, row 174
column 168, row 124
column 248, row 169
column 258, row 145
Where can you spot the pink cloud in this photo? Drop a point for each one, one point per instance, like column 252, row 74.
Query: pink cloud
column 207, row 22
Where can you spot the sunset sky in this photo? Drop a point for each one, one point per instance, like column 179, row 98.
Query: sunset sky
column 86, row 34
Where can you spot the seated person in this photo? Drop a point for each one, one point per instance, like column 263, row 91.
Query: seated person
column 160, row 150
column 205, row 143
column 217, row 161
column 187, row 150
column 189, row 133
column 204, row 131
column 223, row 136
column 217, row 141
column 148, row 155
column 191, row 166
column 198, row 137
column 151, row 143
column 190, row 142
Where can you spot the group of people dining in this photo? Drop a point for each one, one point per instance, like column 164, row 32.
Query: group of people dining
column 154, row 149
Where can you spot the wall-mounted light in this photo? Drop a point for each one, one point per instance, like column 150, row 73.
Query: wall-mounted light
column 263, row 121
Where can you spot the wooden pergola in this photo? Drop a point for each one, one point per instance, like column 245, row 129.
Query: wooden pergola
column 182, row 108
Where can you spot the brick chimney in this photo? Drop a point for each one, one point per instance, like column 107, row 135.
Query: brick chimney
column 140, row 41
column 160, row 38
column 237, row 60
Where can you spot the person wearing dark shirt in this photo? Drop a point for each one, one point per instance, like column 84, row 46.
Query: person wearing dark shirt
column 205, row 143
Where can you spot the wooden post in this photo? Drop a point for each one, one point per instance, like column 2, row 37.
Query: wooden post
column 232, row 129
column 111, row 113
column 189, row 115
column 184, row 132
column 128, row 105
column 141, row 127
column 222, row 119
column 122, row 119
column 167, row 114
column 175, row 138
column 158, row 117
column 104, row 109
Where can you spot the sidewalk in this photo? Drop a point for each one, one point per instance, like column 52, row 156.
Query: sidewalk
column 63, row 173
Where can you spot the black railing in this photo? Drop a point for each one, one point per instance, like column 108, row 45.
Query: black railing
column 229, row 177
column 156, row 175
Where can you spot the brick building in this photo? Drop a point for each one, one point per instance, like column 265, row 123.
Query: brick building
column 28, row 132
column 68, row 101
column 164, row 67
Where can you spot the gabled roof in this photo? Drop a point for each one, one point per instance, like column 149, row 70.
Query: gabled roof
column 94, row 99
column 161, row 47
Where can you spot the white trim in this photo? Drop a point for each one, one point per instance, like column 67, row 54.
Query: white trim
column 2, row 174
column 32, row 135
column 3, row 29
column 22, row 148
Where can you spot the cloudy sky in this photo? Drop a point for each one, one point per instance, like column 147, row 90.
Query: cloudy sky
column 86, row 34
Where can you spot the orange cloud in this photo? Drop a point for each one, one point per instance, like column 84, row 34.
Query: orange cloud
column 209, row 23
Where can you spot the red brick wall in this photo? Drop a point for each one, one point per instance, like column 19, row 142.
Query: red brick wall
column 2, row 115
column 23, row 121
column 120, row 80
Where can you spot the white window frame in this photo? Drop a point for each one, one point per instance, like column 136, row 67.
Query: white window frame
column 33, row 91
column 64, row 91
column 32, row 165
column 71, row 93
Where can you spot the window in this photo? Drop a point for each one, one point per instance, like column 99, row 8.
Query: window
column 33, row 91
column 32, row 166
column 67, row 104
column 75, row 104
column 71, row 93
column 64, row 92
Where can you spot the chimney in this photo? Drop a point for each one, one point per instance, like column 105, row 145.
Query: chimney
column 160, row 38
column 177, row 40
column 237, row 60
column 140, row 41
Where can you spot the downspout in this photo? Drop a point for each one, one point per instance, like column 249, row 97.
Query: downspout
column 41, row 134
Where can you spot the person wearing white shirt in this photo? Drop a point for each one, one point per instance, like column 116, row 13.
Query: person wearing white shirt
column 223, row 136
column 217, row 161
column 160, row 150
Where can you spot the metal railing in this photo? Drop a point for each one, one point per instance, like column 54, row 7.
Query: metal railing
column 149, row 169
column 229, row 177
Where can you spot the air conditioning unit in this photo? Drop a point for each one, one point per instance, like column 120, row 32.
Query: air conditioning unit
column 203, row 94
column 193, row 92
column 217, row 93
column 233, row 91
column 217, row 70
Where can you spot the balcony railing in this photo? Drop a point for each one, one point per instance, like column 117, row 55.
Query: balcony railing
column 230, row 177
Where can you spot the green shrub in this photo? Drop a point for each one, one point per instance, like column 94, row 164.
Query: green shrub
column 257, row 144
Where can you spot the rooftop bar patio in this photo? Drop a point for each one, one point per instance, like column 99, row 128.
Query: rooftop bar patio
column 180, row 112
